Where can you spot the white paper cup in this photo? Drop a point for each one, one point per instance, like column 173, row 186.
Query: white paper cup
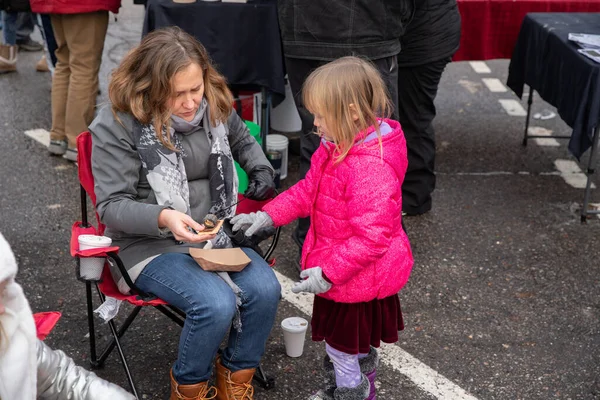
column 294, row 331
column 91, row 268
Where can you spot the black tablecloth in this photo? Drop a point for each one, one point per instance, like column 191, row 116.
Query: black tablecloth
column 547, row 61
column 242, row 39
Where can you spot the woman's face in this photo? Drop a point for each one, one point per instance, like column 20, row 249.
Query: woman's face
column 188, row 85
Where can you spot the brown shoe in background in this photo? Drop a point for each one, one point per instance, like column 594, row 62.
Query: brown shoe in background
column 197, row 391
column 42, row 65
column 234, row 385
column 8, row 58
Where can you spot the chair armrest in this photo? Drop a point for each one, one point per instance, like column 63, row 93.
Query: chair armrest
column 44, row 322
column 134, row 289
column 96, row 252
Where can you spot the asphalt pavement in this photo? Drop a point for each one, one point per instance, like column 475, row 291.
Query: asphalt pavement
column 504, row 298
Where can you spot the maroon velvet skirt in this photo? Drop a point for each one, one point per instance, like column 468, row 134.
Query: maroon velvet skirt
column 354, row 327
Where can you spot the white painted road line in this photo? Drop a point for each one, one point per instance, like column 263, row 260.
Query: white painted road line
column 539, row 131
column 39, row 135
column 423, row 376
column 495, row 85
column 480, row 67
column 513, row 107
column 571, row 173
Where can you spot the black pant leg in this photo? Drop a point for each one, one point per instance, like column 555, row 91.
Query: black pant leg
column 298, row 70
column 388, row 68
column 417, row 88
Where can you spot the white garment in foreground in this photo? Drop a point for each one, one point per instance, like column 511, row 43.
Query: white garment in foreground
column 18, row 364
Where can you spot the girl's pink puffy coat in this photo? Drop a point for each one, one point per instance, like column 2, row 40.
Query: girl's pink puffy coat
column 355, row 207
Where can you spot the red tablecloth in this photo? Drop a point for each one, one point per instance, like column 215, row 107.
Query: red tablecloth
column 490, row 27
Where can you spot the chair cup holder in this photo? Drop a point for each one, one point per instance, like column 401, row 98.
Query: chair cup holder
column 90, row 268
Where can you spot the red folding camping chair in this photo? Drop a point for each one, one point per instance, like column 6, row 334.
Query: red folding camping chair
column 106, row 285
column 44, row 322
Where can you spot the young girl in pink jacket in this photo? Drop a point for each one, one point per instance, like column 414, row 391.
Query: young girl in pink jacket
column 356, row 256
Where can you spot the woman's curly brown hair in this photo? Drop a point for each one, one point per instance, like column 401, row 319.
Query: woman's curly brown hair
column 142, row 85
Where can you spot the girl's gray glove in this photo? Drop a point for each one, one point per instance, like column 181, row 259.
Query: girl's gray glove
column 313, row 282
column 251, row 223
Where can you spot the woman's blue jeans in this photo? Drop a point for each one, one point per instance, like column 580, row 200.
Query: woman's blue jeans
column 209, row 305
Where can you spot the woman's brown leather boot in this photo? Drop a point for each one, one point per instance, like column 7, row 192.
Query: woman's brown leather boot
column 234, row 385
column 196, row 391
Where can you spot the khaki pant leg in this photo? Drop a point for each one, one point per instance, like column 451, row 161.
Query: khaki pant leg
column 85, row 34
column 60, row 80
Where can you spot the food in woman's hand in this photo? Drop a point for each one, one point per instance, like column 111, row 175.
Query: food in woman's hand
column 210, row 221
column 211, row 224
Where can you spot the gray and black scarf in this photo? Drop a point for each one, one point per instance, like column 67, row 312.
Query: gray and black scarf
column 167, row 178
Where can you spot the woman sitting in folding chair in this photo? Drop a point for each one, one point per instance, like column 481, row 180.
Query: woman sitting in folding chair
column 162, row 158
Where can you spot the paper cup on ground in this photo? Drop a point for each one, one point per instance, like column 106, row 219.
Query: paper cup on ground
column 91, row 268
column 294, row 331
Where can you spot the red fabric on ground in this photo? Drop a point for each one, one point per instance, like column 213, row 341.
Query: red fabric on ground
column 44, row 322
column 490, row 27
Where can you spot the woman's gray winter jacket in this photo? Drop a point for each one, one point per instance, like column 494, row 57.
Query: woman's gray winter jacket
column 125, row 202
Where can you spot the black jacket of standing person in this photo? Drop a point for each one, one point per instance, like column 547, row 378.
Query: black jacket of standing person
column 432, row 33
column 326, row 30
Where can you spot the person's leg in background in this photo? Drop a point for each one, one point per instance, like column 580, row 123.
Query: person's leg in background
column 388, row 68
column 417, row 89
column 49, row 37
column 25, row 26
column 48, row 60
column 60, row 88
column 79, row 55
column 9, row 49
column 298, row 70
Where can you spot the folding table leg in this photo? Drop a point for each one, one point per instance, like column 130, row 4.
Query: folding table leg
column 590, row 172
column 529, row 102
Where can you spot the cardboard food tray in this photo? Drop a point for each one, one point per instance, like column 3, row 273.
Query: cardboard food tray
column 229, row 260
column 212, row 230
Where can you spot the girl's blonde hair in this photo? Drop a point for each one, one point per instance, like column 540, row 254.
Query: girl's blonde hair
column 341, row 89
column 142, row 84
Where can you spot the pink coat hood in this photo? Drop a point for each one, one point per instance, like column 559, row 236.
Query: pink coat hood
column 355, row 207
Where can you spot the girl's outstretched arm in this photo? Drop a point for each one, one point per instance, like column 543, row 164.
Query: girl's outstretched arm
column 297, row 201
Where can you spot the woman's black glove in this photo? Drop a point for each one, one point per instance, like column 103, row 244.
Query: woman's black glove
column 260, row 183
column 239, row 239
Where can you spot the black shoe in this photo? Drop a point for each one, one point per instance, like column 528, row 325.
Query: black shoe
column 414, row 213
column 29, row 45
